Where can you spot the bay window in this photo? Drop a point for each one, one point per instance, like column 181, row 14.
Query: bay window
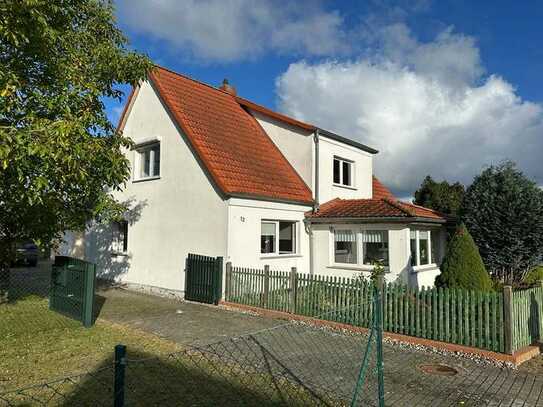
column 277, row 237
column 345, row 247
column 375, row 246
column 424, row 247
column 372, row 245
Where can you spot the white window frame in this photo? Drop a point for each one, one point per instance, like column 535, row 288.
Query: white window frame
column 352, row 166
column 138, row 168
column 276, row 252
column 358, row 232
column 431, row 262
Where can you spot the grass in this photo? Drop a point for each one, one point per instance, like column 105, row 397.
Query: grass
column 38, row 345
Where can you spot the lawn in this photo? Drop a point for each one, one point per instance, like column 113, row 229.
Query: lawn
column 38, row 345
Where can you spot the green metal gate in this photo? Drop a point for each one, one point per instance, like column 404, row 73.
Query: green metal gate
column 72, row 289
column 203, row 279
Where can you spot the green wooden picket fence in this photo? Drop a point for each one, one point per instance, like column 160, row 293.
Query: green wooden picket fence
column 527, row 317
column 494, row 321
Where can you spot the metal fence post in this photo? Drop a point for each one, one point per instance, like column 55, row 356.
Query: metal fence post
column 228, row 281
column 379, row 302
column 293, row 289
column 266, row 295
column 4, row 284
column 120, row 366
column 508, row 319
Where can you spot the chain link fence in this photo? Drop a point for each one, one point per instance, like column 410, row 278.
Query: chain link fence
column 293, row 364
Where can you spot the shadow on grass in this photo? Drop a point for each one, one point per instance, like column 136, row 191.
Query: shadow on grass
column 191, row 378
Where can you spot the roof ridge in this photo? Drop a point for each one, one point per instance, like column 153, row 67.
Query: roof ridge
column 193, row 80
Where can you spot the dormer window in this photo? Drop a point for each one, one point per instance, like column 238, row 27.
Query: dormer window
column 148, row 161
column 343, row 172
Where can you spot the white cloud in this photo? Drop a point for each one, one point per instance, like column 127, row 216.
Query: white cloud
column 227, row 30
column 426, row 106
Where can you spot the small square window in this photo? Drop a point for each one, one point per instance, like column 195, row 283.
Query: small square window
column 149, row 161
column 343, row 172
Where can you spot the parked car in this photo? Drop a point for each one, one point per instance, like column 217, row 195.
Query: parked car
column 27, row 253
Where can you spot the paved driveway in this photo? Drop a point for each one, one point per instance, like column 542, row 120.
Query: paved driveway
column 323, row 361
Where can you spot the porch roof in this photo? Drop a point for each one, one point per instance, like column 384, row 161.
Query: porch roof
column 383, row 207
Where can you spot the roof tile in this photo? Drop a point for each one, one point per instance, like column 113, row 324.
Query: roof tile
column 236, row 151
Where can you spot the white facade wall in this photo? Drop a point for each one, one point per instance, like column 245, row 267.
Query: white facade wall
column 244, row 227
column 178, row 213
column 295, row 144
column 399, row 269
column 362, row 186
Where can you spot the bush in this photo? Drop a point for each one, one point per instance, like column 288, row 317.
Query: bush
column 534, row 276
column 462, row 266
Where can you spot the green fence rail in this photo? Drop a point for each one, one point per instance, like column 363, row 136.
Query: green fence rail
column 458, row 316
column 527, row 317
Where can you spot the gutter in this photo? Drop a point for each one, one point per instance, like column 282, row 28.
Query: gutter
column 316, row 186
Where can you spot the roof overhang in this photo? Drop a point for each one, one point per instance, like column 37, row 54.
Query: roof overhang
column 390, row 219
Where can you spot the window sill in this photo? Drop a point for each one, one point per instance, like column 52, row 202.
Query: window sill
column 340, row 266
column 279, row 256
column 118, row 254
column 426, row 267
column 345, row 186
column 145, row 179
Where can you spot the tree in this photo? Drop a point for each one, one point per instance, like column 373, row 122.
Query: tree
column 503, row 211
column 59, row 154
column 441, row 196
column 462, row 265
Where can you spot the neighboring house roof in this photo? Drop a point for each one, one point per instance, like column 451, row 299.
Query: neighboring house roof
column 238, row 154
column 383, row 205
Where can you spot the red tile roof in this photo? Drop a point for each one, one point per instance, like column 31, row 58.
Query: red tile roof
column 380, row 191
column 239, row 155
column 383, row 205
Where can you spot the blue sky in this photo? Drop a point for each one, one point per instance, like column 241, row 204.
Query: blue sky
column 439, row 87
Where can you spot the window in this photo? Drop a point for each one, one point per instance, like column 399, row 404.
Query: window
column 424, row 252
column 149, row 161
column 345, row 247
column 120, row 237
column 375, row 246
column 435, row 253
column 270, row 230
column 423, row 249
column 343, row 172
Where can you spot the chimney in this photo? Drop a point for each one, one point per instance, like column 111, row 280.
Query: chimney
column 227, row 88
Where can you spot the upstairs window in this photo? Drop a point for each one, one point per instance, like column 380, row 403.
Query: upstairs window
column 149, row 161
column 277, row 237
column 120, row 237
column 343, row 172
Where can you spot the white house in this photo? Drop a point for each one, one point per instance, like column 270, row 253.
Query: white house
column 218, row 175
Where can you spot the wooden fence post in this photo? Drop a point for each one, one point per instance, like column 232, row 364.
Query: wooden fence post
column 228, row 281
column 293, row 289
column 508, row 318
column 266, row 294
